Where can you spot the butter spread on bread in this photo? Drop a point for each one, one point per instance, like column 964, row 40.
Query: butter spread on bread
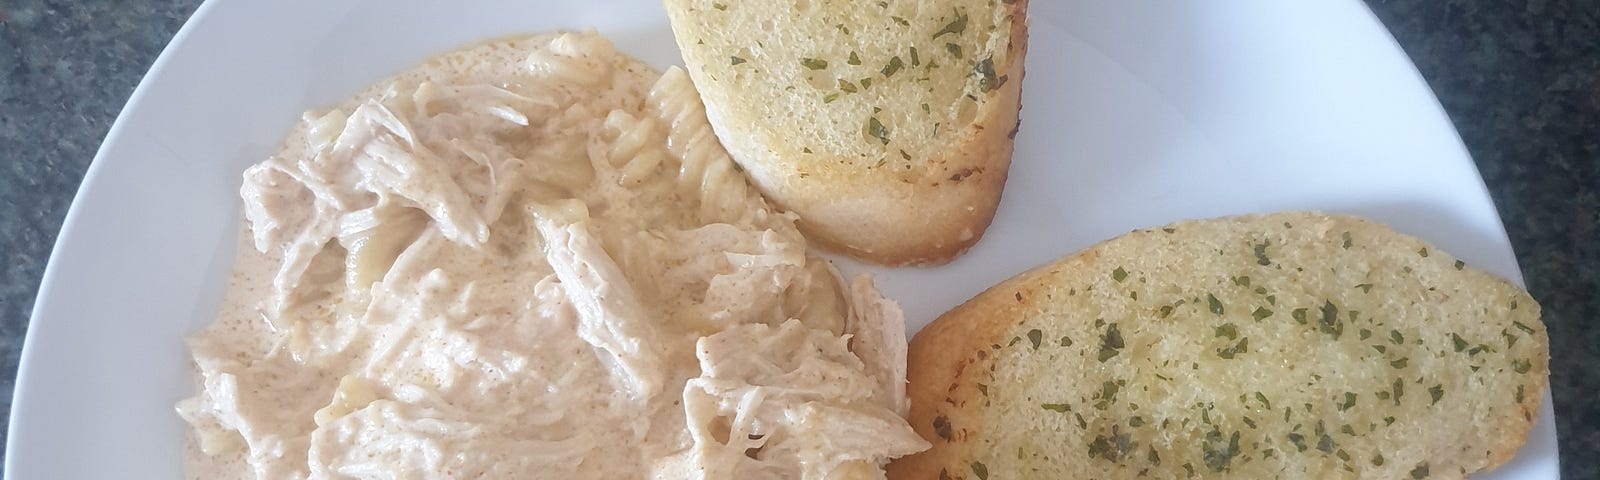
column 1290, row 345
column 886, row 125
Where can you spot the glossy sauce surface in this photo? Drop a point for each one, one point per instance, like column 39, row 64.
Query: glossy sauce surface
column 531, row 258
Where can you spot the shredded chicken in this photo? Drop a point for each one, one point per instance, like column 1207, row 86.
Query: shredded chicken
column 770, row 399
column 532, row 259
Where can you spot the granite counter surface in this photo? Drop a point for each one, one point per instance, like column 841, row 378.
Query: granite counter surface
column 1520, row 80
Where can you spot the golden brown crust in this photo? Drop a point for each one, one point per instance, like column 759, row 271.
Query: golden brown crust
column 1514, row 433
column 939, row 359
column 936, row 219
column 952, row 356
column 926, row 213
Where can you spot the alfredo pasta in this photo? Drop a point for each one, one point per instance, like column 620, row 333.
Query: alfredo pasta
column 532, row 259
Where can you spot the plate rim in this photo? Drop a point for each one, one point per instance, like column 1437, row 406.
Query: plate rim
column 70, row 223
column 49, row 284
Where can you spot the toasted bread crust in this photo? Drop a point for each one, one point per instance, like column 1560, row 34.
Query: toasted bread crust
column 951, row 359
column 930, row 222
column 943, row 356
column 925, row 216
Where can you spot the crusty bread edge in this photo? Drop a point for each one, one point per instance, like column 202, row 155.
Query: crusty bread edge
column 934, row 371
column 873, row 215
column 924, row 224
column 930, row 224
column 1511, row 441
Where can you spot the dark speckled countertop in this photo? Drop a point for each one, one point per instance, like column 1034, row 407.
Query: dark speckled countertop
column 1520, row 79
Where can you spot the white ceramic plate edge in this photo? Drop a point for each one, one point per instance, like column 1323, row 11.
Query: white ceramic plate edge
column 71, row 230
column 21, row 402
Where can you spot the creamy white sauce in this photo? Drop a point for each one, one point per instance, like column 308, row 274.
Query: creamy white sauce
column 531, row 259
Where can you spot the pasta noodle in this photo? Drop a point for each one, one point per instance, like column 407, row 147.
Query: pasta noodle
column 515, row 259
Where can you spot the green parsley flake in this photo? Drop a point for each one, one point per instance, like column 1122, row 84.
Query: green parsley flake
column 1110, row 343
column 1217, row 454
column 1242, row 347
column 1113, row 448
column 1107, row 395
column 986, row 78
column 1260, row 313
column 955, row 27
column 1298, row 440
column 894, row 66
column 955, row 50
column 876, row 129
column 1329, row 322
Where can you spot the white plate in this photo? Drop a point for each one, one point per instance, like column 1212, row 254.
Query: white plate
column 1135, row 114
